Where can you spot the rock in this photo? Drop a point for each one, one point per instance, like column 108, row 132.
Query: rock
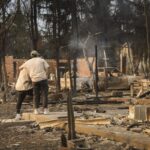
column 48, row 129
column 34, row 125
column 117, row 93
column 31, row 131
column 16, row 144
column 117, row 121
column 147, row 131
column 138, row 130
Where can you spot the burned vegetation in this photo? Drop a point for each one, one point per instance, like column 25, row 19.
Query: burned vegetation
column 74, row 74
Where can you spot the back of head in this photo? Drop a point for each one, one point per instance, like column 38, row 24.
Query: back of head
column 34, row 53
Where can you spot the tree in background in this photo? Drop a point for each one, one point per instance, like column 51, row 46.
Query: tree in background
column 34, row 24
column 130, row 16
column 19, row 40
column 47, row 25
column 5, row 23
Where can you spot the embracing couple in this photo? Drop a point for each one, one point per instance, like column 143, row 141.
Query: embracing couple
column 33, row 80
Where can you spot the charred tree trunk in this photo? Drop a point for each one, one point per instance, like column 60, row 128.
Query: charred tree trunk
column 70, row 69
column 34, row 26
column 4, row 79
column 58, row 45
column 18, row 6
column 2, row 63
column 147, row 36
column 31, row 20
column 58, row 70
column 96, row 72
column 71, row 119
column 0, row 70
column 75, row 39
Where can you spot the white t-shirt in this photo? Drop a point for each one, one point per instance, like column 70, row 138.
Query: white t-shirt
column 23, row 82
column 37, row 68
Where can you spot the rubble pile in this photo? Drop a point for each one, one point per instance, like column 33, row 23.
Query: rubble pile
column 102, row 124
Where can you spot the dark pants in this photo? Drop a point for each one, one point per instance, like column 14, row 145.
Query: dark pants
column 21, row 97
column 40, row 89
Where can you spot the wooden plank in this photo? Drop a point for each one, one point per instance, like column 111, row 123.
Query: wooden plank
column 57, row 121
column 42, row 117
column 133, row 139
column 61, row 123
column 139, row 112
column 137, row 140
column 13, row 122
column 142, row 102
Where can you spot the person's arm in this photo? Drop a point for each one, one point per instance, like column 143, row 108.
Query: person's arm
column 48, row 72
column 22, row 66
column 47, row 69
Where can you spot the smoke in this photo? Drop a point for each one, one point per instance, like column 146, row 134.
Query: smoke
column 88, row 44
column 85, row 46
column 83, row 43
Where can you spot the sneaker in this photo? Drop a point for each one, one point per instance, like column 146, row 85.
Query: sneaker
column 46, row 111
column 18, row 117
column 36, row 111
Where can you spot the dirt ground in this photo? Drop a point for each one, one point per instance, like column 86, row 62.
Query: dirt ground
column 30, row 136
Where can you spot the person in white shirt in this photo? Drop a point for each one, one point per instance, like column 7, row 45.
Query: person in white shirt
column 38, row 70
column 23, row 87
